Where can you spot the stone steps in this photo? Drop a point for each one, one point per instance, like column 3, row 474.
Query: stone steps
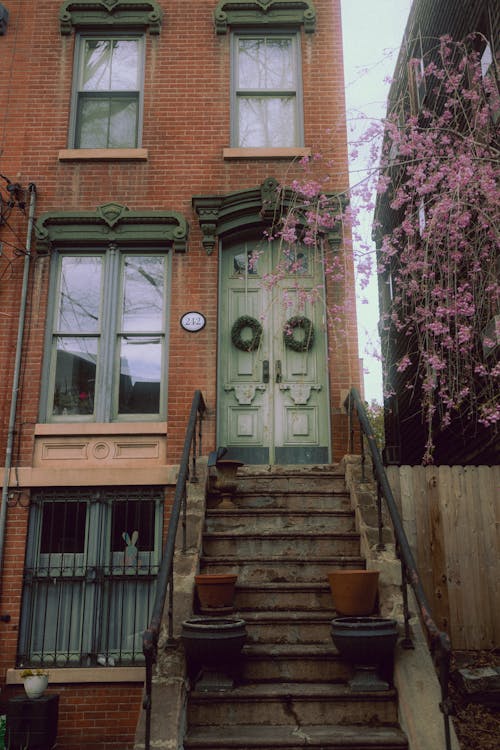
column 251, row 737
column 297, row 501
column 279, row 570
column 278, row 519
column 311, row 626
column 284, row 530
column 278, row 662
column 275, row 596
column 283, row 543
column 297, row 703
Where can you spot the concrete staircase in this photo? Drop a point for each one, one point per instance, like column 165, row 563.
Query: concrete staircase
column 288, row 527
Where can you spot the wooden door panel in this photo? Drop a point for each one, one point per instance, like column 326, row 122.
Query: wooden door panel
column 282, row 418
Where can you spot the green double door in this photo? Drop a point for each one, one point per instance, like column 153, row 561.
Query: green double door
column 273, row 400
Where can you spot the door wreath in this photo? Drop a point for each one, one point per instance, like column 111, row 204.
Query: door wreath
column 303, row 344
column 246, row 345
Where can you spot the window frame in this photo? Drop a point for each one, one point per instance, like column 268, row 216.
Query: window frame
column 107, row 377
column 77, row 94
column 297, row 93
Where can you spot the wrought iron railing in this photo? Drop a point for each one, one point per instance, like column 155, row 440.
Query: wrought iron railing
column 438, row 640
column 165, row 581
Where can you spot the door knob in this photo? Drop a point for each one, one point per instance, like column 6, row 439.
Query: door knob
column 278, row 371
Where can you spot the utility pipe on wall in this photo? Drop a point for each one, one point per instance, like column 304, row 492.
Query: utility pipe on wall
column 17, row 373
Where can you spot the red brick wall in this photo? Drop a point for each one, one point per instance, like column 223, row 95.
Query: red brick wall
column 94, row 716
column 186, row 126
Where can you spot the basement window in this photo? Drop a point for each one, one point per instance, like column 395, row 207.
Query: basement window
column 90, row 575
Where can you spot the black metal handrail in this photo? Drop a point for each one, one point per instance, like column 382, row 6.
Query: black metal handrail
column 439, row 641
column 165, row 580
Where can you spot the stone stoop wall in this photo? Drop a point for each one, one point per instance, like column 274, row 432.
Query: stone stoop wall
column 415, row 677
column 169, row 694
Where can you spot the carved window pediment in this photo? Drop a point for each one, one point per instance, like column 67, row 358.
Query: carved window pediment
column 292, row 13
column 112, row 222
column 125, row 14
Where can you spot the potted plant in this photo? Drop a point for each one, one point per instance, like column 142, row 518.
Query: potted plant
column 35, row 682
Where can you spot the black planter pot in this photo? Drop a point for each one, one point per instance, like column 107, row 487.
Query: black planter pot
column 368, row 643
column 213, row 651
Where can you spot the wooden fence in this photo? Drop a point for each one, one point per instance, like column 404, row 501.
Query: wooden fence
column 451, row 515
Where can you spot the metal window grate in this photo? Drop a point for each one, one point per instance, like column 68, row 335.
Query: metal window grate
column 89, row 582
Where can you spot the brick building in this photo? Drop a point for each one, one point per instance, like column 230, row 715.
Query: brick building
column 141, row 144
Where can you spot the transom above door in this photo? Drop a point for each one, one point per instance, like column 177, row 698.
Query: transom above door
column 272, row 374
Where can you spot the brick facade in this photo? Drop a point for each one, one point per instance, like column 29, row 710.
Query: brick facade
column 185, row 129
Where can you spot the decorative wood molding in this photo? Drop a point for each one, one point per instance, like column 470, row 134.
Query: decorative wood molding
column 245, row 208
column 257, row 208
column 241, row 13
column 124, row 14
column 111, row 223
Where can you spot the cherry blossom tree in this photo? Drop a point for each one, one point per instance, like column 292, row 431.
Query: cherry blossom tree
column 437, row 182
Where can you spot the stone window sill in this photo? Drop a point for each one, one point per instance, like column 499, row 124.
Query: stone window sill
column 67, row 675
column 101, row 428
column 265, row 153
column 103, row 154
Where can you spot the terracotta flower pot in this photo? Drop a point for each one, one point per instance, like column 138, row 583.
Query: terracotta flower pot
column 354, row 591
column 215, row 592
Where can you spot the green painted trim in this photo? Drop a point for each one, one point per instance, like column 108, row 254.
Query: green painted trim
column 125, row 14
column 268, row 12
column 257, row 207
column 219, row 215
column 111, row 223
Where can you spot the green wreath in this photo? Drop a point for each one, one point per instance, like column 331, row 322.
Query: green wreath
column 246, row 345
column 299, row 345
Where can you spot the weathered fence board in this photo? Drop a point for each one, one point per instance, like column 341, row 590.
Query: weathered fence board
column 452, row 518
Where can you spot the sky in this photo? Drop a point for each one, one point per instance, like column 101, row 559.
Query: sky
column 372, row 33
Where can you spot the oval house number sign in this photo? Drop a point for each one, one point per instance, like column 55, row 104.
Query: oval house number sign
column 193, row 321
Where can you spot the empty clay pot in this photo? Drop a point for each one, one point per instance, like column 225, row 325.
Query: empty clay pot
column 354, row 591
column 215, row 592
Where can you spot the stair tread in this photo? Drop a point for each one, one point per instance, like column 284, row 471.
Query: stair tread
column 278, row 512
column 287, row 615
column 313, row 691
column 319, row 736
column 282, row 470
column 291, row 650
column 292, row 586
column 282, row 533
column 333, row 559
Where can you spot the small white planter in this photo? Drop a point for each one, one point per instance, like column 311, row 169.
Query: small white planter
column 35, row 685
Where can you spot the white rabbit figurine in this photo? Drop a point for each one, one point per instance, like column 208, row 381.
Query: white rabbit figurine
column 130, row 550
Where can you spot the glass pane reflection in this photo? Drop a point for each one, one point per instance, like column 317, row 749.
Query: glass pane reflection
column 140, row 375
column 79, row 295
column 74, row 387
column 143, row 287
